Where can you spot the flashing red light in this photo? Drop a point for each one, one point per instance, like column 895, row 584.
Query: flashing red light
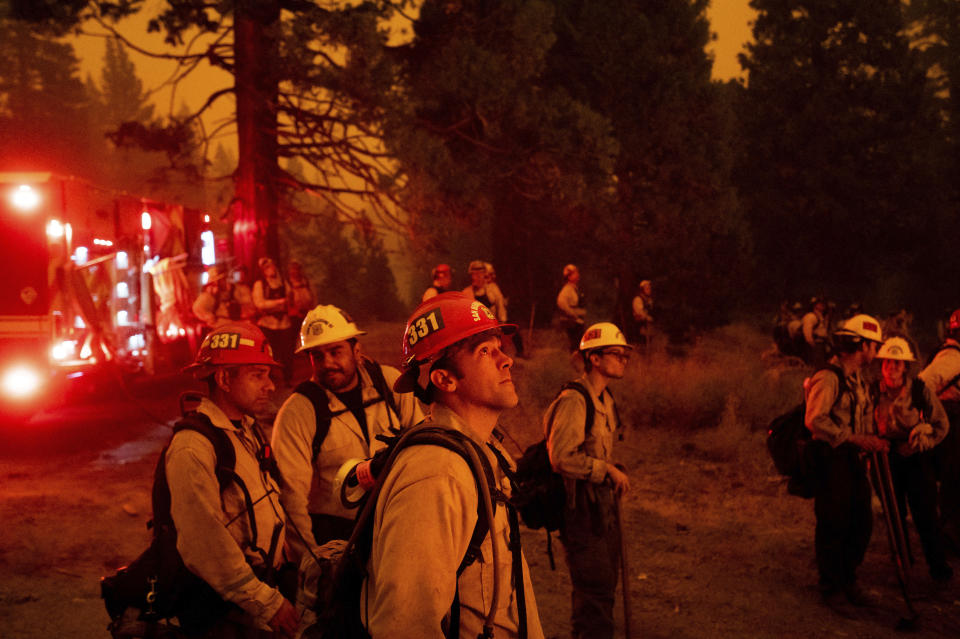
column 21, row 381
column 25, row 198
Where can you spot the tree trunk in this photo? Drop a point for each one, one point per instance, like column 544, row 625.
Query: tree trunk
column 255, row 49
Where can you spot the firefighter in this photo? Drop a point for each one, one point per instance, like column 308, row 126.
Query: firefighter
column 815, row 329
column 427, row 507
column 642, row 311
column 442, row 279
column 350, row 396
column 270, row 298
column 220, row 301
column 219, row 540
column 485, row 291
column 582, row 454
column 840, row 417
column 570, row 303
column 908, row 413
column 942, row 374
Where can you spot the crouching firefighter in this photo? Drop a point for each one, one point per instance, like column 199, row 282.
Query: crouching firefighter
column 432, row 571
column 839, row 416
column 216, row 498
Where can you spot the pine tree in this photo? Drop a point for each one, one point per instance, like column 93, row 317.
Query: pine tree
column 836, row 171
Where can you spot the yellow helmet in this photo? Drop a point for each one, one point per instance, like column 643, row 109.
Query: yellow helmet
column 861, row 326
column 324, row 325
column 896, row 348
column 602, row 334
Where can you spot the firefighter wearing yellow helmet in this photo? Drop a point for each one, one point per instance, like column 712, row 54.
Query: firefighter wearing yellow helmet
column 910, row 416
column 333, row 417
column 942, row 374
column 839, row 415
column 581, row 426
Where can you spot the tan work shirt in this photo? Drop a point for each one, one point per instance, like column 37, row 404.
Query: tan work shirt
column 308, row 483
column 896, row 415
column 568, row 301
column 424, row 518
column 270, row 309
column 831, row 419
column 944, row 367
column 573, row 453
column 213, row 528
column 214, row 310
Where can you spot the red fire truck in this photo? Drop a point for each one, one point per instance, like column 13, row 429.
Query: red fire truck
column 91, row 278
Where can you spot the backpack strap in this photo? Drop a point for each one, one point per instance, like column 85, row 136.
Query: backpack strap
column 375, row 371
column 842, row 388
column 919, row 398
column 321, row 407
column 225, row 461
column 321, row 410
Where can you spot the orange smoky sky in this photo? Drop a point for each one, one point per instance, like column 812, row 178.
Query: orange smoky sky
column 730, row 21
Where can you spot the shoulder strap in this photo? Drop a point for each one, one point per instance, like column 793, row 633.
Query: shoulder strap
column 375, row 371
column 321, row 409
column 940, row 349
column 591, row 409
column 225, row 456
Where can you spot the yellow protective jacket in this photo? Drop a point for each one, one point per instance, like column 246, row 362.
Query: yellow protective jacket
column 425, row 516
column 308, row 483
column 213, row 529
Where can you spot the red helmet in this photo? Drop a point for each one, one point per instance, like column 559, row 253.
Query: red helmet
column 954, row 323
column 235, row 344
column 444, row 320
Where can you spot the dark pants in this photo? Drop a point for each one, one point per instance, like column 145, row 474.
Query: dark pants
column 915, row 483
column 592, row 543
column 327, row 527
column 947, row 454
column 844, row 516
column 574, row 332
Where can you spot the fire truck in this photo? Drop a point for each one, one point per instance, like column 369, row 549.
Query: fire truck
column 91, row 279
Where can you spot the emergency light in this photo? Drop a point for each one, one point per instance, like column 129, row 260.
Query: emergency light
column 25, row 198
column 21, row 381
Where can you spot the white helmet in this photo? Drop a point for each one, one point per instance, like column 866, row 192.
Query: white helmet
column 602, row 334
column 896, row 348
column 862, row 326
column 324, row 325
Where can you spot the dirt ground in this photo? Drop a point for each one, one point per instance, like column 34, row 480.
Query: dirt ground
column 715, row 546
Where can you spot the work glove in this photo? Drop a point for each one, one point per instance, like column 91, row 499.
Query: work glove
column 921, row 437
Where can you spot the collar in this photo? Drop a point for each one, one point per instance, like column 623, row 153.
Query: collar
column 442, row 416
column 219, row 419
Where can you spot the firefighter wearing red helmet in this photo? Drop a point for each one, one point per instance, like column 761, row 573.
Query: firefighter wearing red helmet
column 215, row 544
column 428, row 500
column 942, row 375
column 839, row 415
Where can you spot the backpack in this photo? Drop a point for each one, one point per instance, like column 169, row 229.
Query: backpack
column 540, row 496
column 342, row 565
column 157, row 584
column 321, row 407
column 787, row 440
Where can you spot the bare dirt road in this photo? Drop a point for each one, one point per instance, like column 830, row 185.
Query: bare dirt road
column 716, row 548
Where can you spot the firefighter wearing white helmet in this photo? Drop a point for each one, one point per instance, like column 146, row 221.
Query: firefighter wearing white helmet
column 581, row 426
column 908, row 413
column 333, row 417
column 839, row 414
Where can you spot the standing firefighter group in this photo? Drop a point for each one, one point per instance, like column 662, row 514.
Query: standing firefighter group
column 383, row 504
column 894, row 433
